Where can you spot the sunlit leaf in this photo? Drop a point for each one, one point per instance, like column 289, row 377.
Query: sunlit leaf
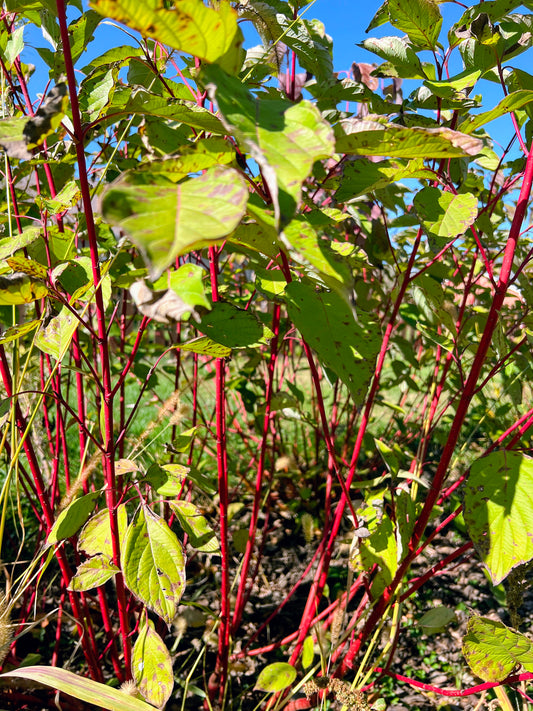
column 373, row 138
column 152, row 666
column 499, row 511
column 153, row 564
column 92, row 573
column 492, row 650
column 165, row 221
column 95, row 537
column 80, row 688
column 13, row 333
column 71, row 519
column 188, row 26
column 443, row 214
column 347, row 345
column 284, row 138
column 275, row 677
column 419, row 19
column 201, row 535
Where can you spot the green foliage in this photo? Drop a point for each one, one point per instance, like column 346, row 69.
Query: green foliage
column 247, row 304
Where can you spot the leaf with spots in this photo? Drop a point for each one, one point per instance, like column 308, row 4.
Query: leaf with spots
column 92, row 573
column 188, row 26
column 166, row 220
column 493, row 651
column 498, row 511
column 95, row 536
column 346, row 343
column 230, row 326
column 378, row 138
column 153, row 564
column 419, row 19
column 152, row 666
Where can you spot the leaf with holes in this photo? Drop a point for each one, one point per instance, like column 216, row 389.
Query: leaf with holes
column 153, row 564
column 419, row 19
column 499, row 511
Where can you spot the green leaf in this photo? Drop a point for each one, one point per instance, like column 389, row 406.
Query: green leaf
column 54, row 337
column 512, row 102
column 92, row 573
column 492, row 650
column 201, row 535
column 167, row 480
column 67, row 197
column 399, row 52
column 80, row 688
column 443, row 214
column 456, row 86
column 152, row 666
column 419, row 19
column 373, row 138
column 316, row 250
column 347, row 345
column 95, row 537
column 187, row 282
column 188, row 26
column 19, row 288
column 275, row 22
column 141, row 102
column 153, row 563
column 113, row 56
column 80, row 32
column 205, row 346
column 253, row 236
column 194, row 158
column 363, row 176
column 13, row 333
column 499, row 511
column 436, row 619
column 231, row 326
column 166, row 221
column 71, row 519
column 308, row 652
column 275, row 677
column 15, row 45
column 285, row 139
column 96, row 93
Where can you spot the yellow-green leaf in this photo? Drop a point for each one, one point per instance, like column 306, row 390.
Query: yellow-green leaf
column 152, row 666
column 153, row 564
